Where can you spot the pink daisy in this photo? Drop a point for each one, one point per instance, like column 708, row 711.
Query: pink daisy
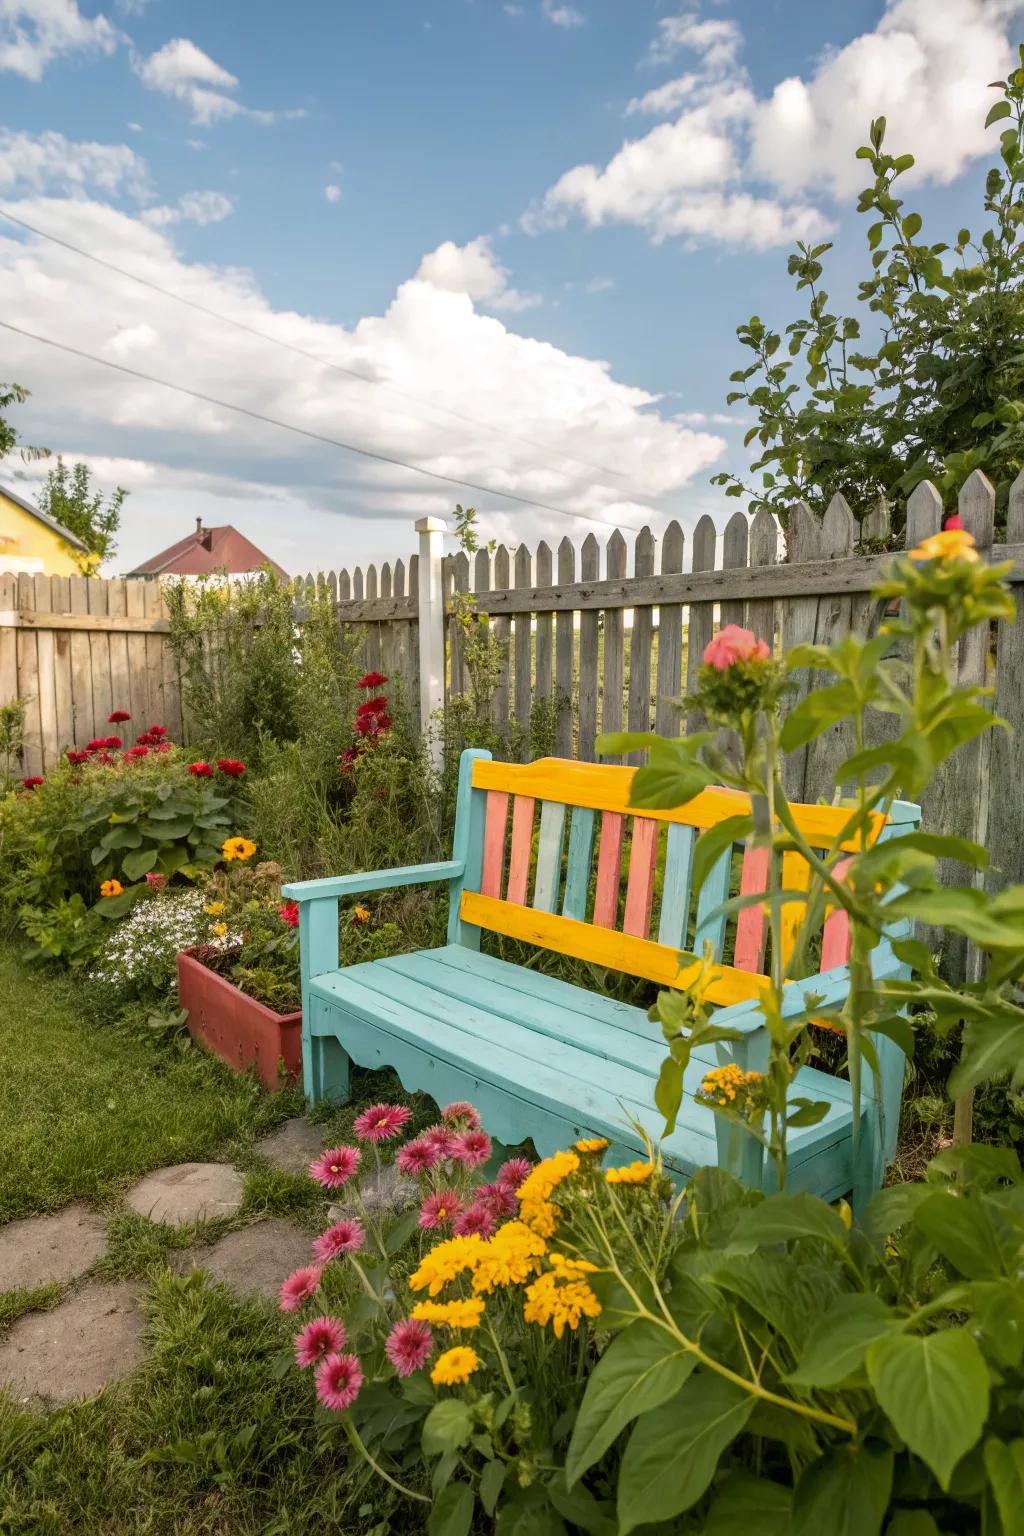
column 344, row 1237
column 498, row 1198
column 323, row 1336
column 299, row 1287
column 408, row 1345
column 512, row 1173
column 439, row 1209
column 471, row 1148
column 335, row 1167
column 476, row 1219
column 338, row 1379
column 416, row 1156
column 440, row 1138
column 461, row 1115
column 381, row 1122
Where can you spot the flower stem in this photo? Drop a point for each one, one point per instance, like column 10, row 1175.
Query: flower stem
column 354, row 1436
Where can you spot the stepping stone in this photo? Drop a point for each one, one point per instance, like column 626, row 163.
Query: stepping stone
column 188, row 1192
column 73, row 1351
column 50, row 1250
column 383, row 1194
column 256, row 1260
column 292, row 1147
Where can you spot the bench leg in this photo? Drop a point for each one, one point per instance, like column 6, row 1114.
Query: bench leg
column 324, row 1069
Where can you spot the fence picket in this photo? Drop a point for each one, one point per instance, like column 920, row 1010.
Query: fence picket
column 614, row 642
column 543, row 628
column 763, row 550
column 1006, row 820
column 641, row 640
column 827, row 751
column 667, row 719
column 502, row 633
column 565, row 643
column 523, row 651
column 590, row 623
column 700, row 616
column 805, row 540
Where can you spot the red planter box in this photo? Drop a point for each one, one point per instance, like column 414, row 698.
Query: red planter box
column 237, row 1028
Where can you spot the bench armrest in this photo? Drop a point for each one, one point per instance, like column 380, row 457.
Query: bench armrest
column 830, row 987
column 374, row 880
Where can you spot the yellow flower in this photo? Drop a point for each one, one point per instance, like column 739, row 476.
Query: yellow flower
column 592, row 1144
column 454, row 1314
column 723, row 1084
column 511, row 1256
column 360, row 914
column 633, row 1173
column 220, row 929
column 953, row 544
column 214, row 908
column 446, row 1262
column 455, row 1366
column 238, row 848
column 111, row 888
column 562, row 1296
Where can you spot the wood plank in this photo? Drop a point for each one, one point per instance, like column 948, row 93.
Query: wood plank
column 523, row 652
column 565, row 643
column 578, row 862
column 502, row 629
column 835, row 933
column 700, row 622
column 152, row 683
column 174, row 716
column 521, row 849
column 8, row 652
column 667, row 719
column 710, row 928
column 643, row 857
column 733, row 611
column 609, row 870
column 117, row 649
column 827, row 752
column 544, row 629
column 549, row 856
column 799, row 621
column 763, row 552
column 412, row 630
column 28, row 684
column 49, row 736
column 81, row 667
column 99, row 657
column 603, row 946
column 675, row 895
column 135, row 645
column 641, row 641
column 614, row 643
column 459, row 584
column 751, row 924
column 796, row 876
column 590, row 567
column 1006, row 815
column 117, row 624
column 495, row 827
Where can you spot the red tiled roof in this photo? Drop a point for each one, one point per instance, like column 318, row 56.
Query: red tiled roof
column 206, row 550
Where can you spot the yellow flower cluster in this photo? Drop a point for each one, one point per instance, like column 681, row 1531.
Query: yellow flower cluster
column 453, row 1314
column 535, row 1205
column 724, row 1084
column 510, row 1257
column 562, row 1296
column 632, row 1173
column 592, row 1144
column 953, row 544
column 219, row 929
column 455, row 1366
column 238, row 848
column 214, row 908
column 446, row 1262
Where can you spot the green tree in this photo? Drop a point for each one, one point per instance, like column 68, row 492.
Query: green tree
column 941, row 393
column 93, row 516
column 15, row 394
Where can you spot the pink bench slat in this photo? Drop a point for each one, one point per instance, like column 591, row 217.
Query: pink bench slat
column 494, row 843
column 519, row 855
column 609, row 863
column 835, row 936
column 751, row 928
column 640, row 884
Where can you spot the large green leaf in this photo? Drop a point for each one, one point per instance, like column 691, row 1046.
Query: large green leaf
column 1004, row 1463
column 140, row 862
column 912, row 1522
column 712, row 844
column 452, row 1514
column 787, row 1292
column 447, row 1426
column 990, row 1047
column 781, row 1217
column 934, row 1390
column 596, row 1517
column 746, row 1505
column 673, row 1452
column 963, row 1232
column 844, row 1493
column 169, row 828
column 641, row 1368
column 821, row 708
column 837, row 1344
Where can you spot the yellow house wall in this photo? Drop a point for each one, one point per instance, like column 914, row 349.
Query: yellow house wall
column 23, row 539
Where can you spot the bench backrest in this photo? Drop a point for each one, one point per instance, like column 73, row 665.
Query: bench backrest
column 546, row 845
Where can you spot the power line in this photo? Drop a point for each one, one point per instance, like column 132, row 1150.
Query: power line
column 353, row 373
column 286, row 426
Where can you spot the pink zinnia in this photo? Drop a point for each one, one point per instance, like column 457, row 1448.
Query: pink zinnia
column 471, row 1148
column 335, row 1167
column 500, row 1199
column 408, row 1345
column 158, row 882
column 440, row 1139
column 338, row 1379
column 299, row 1287
column 733, row 644
column 439, row 1209
column 512, row 1173
column 476, row 1219
column 344, row 1237
column 453, row 1114
column 381, row 1122
column 416, row 1156
column 323, row 1336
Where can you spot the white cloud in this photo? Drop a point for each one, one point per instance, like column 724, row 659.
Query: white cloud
column 665, row 99
column 717, row 41
column 306, row 503
column 512, row 10
column 192, row 208
column 182, row 70
column 564, row 16
column 599, row 284
column 475, row 270
column 48, row 162
column 35, row 32
column 332, row 192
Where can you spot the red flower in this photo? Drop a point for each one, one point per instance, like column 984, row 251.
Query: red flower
column 75, row 758
column 231, row 766
column 373, row 725
column 105, row 758
column 117, row 715
column 97, row 744
column 111, row 742
column 135, row 752
column 348, row 758
column 158, row 882
column 381, row 1122
column 162, row 746
column 288, row 912
column 33, row 781
column 372, row 680
column 200, row 770
column 145, row 740
column 376, row 706
column 157, row 730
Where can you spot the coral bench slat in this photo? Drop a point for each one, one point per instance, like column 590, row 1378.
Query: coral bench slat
column 544, row 1059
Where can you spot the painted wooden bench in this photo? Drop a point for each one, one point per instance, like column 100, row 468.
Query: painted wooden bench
column 547, row 1060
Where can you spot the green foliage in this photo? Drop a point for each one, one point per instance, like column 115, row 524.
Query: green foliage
column 15, row 394
column 12, row 740
column 68, row 496
column 937, row 388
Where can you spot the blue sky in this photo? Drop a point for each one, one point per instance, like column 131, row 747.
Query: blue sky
column 473, row 200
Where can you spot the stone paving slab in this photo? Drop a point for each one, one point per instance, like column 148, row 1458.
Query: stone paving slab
column 74, row 1350
column 188, row 1192
column 256, row 1260
column 292, row 1147
column 51, row 1250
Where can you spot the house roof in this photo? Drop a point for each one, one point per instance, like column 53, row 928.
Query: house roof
column 205, row 551
column 44, row 518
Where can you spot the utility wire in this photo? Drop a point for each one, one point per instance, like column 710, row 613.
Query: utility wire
column 286, row 426
column 353, row 373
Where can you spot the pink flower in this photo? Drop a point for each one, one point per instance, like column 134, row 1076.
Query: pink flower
column 416, row 1156
column 408, row 1345
column 158, row 882
column 733, row 644
column 440, row 1209
column 344, row 1237
column 440, row 1140
column 335, row 1167
column 512, row 1173
column 338, row 1379
column 500, row 1199
column 461, row 1115
column 381, row 1122
column 471, row 1148
column 162, row 746
column 323, row 1336
column 288, row 912
column 299, row 1287
column 476, row 1219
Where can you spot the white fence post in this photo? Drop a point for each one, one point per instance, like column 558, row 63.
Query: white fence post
column 431, row 628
